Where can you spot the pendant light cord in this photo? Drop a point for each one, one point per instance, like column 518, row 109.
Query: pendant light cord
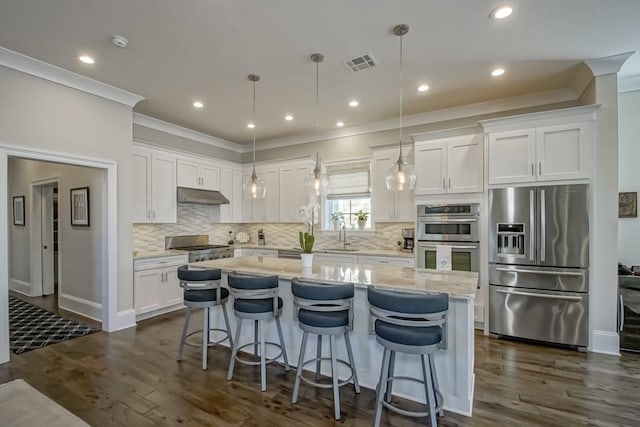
column 253, row 119
column 401, row 94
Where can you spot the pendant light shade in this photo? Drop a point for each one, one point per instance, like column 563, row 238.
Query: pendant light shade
column 401, row 176
column 254, row 186
column 316, row 183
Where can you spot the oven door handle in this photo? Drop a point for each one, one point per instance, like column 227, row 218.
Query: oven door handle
column 451, row 246
column 444, row 221
column 548, row 273
column 531, row 294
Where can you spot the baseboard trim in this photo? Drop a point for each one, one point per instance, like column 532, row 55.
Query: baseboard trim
column 605, row 343
column 124, row 319
column 20, row 286
column 80, row 306
column 159, row 312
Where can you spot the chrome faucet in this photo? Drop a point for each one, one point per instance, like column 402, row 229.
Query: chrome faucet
column 343, row 236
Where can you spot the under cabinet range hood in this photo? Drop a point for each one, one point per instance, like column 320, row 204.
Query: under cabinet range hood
column 201, row 197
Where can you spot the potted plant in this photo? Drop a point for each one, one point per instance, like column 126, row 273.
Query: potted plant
column 336, row 218
column 306, row 244
column 362, row 217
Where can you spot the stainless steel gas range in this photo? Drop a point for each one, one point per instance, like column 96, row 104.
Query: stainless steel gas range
column 198, row 247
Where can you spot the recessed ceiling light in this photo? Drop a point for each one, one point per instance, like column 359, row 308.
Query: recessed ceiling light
column 501, row 12
column 354, row 103
column 497, row 72
column 423, row 88
column 86, row 59
column 288, row 117
column 251, row 125
column 198, row 104
column 340, row 124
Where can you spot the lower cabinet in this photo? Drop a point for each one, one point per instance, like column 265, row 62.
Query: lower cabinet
column 156, row 286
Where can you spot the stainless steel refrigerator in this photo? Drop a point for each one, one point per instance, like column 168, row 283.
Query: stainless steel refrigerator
column 539, row 259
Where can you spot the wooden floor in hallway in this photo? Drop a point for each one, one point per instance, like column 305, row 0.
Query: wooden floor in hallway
column 131, row 378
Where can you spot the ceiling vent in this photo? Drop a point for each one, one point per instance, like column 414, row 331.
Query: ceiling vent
column 361, row 63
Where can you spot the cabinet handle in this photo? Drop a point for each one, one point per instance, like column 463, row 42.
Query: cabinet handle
column 532, row 170
column 539, row 168
column 449, row 183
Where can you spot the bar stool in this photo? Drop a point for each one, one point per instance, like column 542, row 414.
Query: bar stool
column 324, row 309
column 256, row 298
column 202, row 289
column 413, row 324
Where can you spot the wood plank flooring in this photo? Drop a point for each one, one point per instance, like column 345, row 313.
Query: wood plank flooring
column 131, row 378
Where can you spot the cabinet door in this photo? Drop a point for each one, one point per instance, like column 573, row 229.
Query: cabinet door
column 163, row 188
column 562, row 152
column 141, row 186
column 147, row 294
column 188, row 174
column 249, row 205
column 236, row 199
column 209, row 177
column 512, row 157
column 272, row 200
column 172, row 293
column 382, row 200
column 465, row 164
column 293, row 191
column 404, row 201
column 431, row 167
column 226, row 190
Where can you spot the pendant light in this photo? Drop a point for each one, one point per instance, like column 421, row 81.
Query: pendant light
column 316, row 182
column 401, row 175
column 254, row 186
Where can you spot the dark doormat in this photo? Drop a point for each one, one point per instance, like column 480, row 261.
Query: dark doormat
column 32, row 327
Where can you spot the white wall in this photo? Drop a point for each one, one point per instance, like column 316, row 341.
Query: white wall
column 80, row 248
column 41, row 115
column 629, row 173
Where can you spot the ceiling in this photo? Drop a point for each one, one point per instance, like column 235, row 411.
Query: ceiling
column 203, row 50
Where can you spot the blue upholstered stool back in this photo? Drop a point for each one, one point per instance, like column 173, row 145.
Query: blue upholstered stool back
column 323, row 297
column 247, row 287
column 198, row 275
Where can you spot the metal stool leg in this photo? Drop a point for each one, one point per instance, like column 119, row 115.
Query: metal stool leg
column 263, row 351
column 226, row 321
column 334, row 376
column 431, row 399
column 303, row 349
column 434, row 378
column 284, row 350
column 255, row 338
column 382, row 386
column 318, row 356
column 205, row 337
column 392, row 368
column 234, row 351
column 352, row 362
column 184, row 334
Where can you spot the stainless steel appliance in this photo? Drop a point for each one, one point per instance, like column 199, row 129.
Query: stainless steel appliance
column 198, row 247
column 629, row 313
column 408, row 236
column 539, row 259
column 455, row 225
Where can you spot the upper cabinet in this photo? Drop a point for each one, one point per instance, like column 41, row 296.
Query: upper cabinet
column 201, row 175
column 154, row 186
column 293, row 194
column 449, row 165
column 231, row 188
column 265, row 209
column 539, row 147
column 389, row 206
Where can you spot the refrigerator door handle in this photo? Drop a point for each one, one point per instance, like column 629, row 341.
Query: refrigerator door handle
column 543, row 228
column 532, row 228
column 531, row 294
column 621, row 314
column 547, row 273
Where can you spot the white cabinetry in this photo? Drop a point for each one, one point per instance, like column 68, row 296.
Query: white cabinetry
column 231, row 188
column 389, row 206
column 154, row 186
column 449, row 165
column 204, row 176
column 340, row 258
column 156, row 286
column 539, row 147
column 385, row 260
column 265, row 209
column 292, row 191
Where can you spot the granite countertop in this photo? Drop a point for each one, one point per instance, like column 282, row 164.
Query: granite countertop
column 457, row 284
column 370, row 252
column 157, row 254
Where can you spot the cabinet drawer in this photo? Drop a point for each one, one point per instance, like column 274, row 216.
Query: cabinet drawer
column 160, row 262
column 382, row 260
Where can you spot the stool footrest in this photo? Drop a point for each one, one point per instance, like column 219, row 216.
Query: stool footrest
column 404, row 411
column 440, row 397
column 323, row 385
column 211, row 343
column 267, row 360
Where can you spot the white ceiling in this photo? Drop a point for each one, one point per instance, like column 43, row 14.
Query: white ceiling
column 180, row 51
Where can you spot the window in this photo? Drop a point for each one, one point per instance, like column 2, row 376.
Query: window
column 349, row 192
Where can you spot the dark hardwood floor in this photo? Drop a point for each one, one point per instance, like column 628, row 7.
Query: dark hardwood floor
column 131, row 378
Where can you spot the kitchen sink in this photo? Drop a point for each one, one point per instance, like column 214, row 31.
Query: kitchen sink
column 341, row 250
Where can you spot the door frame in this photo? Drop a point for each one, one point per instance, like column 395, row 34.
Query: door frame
column 109, row 228
column 35, row 235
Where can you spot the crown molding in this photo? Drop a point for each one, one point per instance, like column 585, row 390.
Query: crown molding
column 35, row 67
column 608, row 64
column 628, row 83
column 541, row 118
column 170, row 128
column 471, row 110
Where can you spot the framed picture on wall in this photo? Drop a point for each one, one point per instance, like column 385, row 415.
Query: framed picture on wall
column 628, row 205
column 18, row 211
column 80, row 207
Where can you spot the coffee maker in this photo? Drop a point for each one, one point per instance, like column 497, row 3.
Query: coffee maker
column 408, row 238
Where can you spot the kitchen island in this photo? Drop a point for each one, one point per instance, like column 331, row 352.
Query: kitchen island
column 454, row 365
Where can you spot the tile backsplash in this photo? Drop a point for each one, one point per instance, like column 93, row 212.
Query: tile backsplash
column 197, row 219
